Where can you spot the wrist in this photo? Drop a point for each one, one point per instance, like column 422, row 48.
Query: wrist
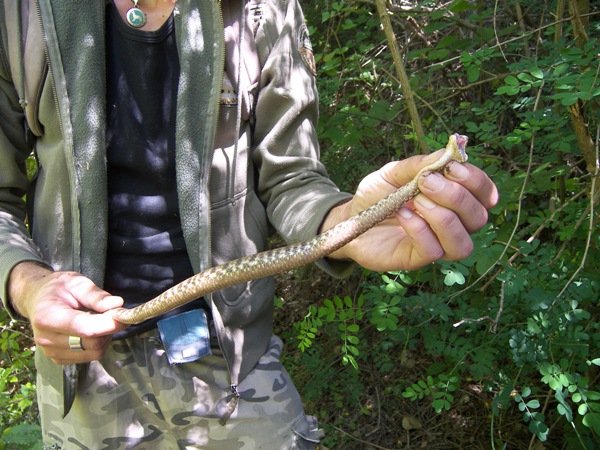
column 337, row 215
column 22, row 277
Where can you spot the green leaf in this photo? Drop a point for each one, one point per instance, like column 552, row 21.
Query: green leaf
column 564, row 410
column 511, row 81
column 593, row 395
column 348, row 301
column 453, row 277
column 459, row 6
column 592, row 421
column 594, row 406
column 24, row 435
column 473, row 73
column 353, row 328
column 525, row 77
column 339, row 304
column 440, row 404
column 537, row 73
column 352, row 339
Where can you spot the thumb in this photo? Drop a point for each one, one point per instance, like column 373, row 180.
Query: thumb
column 106, row 303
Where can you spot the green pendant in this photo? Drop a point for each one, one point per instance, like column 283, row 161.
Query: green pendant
column 136, row 17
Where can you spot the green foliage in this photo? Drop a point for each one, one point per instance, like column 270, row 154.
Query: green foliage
column 439, row 389
column 531, row 416
column 18, row 410
column 23, row 437
column 341, row 311
column 522, row 310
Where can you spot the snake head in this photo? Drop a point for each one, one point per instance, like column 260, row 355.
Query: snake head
column 458, row 145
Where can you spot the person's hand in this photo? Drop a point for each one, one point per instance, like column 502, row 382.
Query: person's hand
column 57, row 305
column 435, row 225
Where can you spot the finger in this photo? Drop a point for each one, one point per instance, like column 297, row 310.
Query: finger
column 448, row 227
column 399, row 173
column 425, row 246
column 388, row 179
column 476, row 181
column 56, row 316
column 85, row 293
column 87, row 324
column 92, row 346
column 64, row 301
column 455, row 197
column 58, row 347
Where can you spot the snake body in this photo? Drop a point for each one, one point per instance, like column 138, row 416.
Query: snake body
column 290, row 257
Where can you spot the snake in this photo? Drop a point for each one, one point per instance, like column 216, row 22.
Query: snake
column 294, row 256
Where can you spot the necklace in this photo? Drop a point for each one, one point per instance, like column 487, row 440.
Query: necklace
column 135, row 16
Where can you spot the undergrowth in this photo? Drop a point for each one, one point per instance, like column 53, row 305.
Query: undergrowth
column 500, row 350
column 518, row 318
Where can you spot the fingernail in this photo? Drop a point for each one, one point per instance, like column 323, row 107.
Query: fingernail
column 423, row 201
column 405, row 213
column 457, row 171
column 433, row 181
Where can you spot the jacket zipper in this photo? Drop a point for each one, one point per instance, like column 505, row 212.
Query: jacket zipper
column 238, row 114
column 235, row 395
column 235, row 399
column 68, row 152
column 47, row 56
column 215, row 125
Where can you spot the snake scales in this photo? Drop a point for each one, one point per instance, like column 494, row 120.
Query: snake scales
column 291, row 257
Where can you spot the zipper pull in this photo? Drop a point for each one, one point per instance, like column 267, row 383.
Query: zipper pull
column 232, row 405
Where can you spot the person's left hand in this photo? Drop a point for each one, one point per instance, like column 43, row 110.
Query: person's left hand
column 435, row 225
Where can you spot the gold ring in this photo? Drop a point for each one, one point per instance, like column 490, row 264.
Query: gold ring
column 76, row 344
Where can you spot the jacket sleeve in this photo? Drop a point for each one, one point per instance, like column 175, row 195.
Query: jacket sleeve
column 16, row 245
column 292, row 181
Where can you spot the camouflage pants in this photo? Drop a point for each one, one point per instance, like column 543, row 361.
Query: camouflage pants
column 133, row 399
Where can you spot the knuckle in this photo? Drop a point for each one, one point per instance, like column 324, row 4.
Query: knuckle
column 474, row 219
column 91, row 345
column 96, row 345
column 466, row 249
column 462, row 198
column 483, row 219
column 460, row 250
column 436, row 252
column 60, row 361
column 42, row 343
column 447, row 222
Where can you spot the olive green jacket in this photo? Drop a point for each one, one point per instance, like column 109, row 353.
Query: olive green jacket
column 230, row 185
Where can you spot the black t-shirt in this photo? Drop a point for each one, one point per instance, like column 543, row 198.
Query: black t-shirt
column 146, row 249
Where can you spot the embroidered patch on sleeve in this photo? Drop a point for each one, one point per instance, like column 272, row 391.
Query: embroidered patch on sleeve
column 305, row 49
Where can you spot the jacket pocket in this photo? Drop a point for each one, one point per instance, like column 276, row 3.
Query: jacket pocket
column 239, row 229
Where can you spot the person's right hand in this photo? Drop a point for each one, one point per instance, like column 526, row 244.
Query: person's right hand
column 62, row 304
